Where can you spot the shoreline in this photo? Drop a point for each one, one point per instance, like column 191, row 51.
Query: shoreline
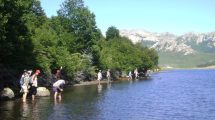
column 94, row 82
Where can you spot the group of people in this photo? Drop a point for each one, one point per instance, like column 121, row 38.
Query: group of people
column 108, row 75
column 130, row 75
column 29, row 84
column 99, row 78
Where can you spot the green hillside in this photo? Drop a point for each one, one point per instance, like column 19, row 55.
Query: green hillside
column 177, row 60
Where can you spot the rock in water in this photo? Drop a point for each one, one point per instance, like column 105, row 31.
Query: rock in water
column 42, row 92
column 7, row 93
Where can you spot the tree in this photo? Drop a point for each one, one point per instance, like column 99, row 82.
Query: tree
column 16, row 46
column 112, row 32
column 77, row 19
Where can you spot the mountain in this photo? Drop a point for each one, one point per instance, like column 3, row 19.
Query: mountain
column 188, row 50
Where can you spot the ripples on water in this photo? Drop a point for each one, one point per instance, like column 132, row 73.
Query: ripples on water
column 168, row 95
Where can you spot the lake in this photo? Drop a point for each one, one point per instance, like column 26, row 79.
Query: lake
column 166, row 95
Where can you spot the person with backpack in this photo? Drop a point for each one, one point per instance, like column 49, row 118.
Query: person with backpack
column 21, row 80
column 25, row 84
column 33, row 83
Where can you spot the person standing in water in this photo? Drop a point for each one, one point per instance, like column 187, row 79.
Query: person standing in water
column 136, row 73
column 58, row 89
column 99, row 75
column 33, row 88
column 108, row 75
column 129, row 75
column 25, row 85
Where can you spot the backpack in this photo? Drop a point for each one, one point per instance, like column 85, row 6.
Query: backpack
column 21, row 81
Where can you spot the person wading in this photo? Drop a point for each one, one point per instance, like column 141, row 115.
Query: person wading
column 34, row 81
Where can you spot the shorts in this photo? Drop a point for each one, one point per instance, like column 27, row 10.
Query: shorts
column 25, row 88
column 55, row 89
column 33, row 90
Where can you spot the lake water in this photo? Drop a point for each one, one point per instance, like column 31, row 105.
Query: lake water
column 167, row 95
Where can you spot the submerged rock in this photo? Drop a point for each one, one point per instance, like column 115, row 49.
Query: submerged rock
column 42, row 92
column 7, row 93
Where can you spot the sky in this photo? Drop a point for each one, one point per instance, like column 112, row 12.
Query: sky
column 174, row 16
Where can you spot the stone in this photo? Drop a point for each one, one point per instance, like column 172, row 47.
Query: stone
column 42, row 92
column 7, row 93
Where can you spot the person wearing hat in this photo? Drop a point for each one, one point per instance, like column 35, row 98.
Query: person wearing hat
column 33, row 88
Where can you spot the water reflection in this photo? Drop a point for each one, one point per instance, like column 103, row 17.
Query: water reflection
column 59, row 111
column 178, row 95
column 99, row 87
column 7, row 109
column 30, row 110
column 25, row 110
column 109, row 85
column 35, row 110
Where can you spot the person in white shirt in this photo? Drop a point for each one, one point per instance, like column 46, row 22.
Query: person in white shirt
column 129, row 75
column 136, row 73
column 108, row 75
column 25, row 85
column 33, row 83
column 99, row 75
column 58, row 88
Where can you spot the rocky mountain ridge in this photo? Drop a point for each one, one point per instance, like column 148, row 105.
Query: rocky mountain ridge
column 189, row 43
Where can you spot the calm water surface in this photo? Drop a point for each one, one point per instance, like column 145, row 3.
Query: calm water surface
column 168, row 95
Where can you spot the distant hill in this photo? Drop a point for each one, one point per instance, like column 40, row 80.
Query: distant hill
column 185, row 51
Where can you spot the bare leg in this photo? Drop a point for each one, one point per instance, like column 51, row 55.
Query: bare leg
column 33, row 97
column 59, row 96
column 24, row 97
column 108, row 79
column 55, row 95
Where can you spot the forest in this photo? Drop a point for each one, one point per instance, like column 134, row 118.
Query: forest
column 71, row 39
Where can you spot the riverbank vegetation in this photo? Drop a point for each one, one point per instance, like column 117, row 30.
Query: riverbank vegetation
column 31, row 40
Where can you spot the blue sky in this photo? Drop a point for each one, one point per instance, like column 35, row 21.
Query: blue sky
column 174, row 16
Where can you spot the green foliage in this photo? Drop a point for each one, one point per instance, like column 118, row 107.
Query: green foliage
column 16, row 47
column 151, row 53
column 121, row 53
column 76, row 18
column 28, row 39
column 112, row 32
